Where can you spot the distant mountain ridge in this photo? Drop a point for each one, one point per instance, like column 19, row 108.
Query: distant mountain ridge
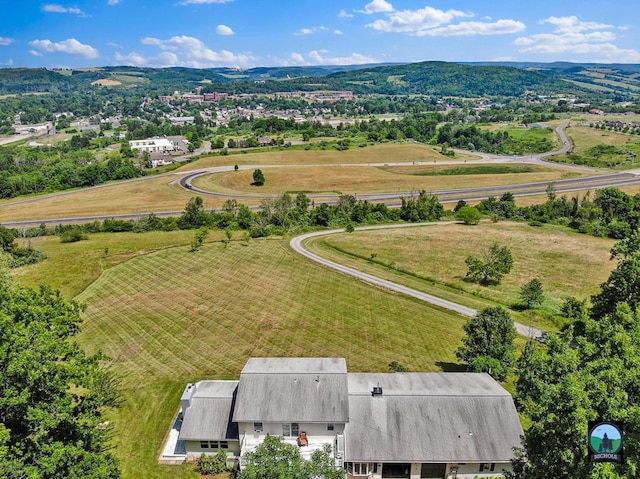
column 509, row 79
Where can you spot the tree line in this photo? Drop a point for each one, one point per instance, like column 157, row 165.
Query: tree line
column 26, row 171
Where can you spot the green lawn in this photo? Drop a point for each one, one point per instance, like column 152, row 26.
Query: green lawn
column 171, row 317
column 166, row 316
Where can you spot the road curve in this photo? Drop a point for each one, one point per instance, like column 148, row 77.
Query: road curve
column 296, row 245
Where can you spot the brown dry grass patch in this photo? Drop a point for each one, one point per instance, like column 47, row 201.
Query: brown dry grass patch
column 386, row 153
column 362, row 179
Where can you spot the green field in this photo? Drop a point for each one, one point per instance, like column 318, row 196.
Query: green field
column 480, row 170
column 432, row 260
column 601, row 148
column 166, row 316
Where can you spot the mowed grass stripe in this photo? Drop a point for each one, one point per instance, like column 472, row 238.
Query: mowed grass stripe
column 163, row 310
column 171, row 317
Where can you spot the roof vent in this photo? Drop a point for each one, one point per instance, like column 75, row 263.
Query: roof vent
column 377, row 391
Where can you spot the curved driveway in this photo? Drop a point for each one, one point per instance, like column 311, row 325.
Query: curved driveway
column 296, row 244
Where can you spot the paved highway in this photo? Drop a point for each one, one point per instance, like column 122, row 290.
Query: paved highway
column 184, row 179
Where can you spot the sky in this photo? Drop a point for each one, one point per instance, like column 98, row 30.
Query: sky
column 251, row 33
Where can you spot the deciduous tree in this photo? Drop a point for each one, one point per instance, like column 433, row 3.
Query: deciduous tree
column 258, row 177
column 495, row 262
column 469, row 215
column 488, row 345
column 53, row 395
column 531, row 293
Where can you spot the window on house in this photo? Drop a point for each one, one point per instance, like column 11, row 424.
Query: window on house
column 286, row 430
column 257, row 426
column 295, row 429
column 204, row 444
column 331, row 426
column 360, row 468
column 224, row 445
column 481, row 467
column 493, row 466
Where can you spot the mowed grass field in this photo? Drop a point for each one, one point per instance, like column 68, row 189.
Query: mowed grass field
column 585, row 138
column 381, row 153
column 367, row 179
column 167, row 316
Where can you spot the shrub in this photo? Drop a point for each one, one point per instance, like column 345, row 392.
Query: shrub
column 72, row 235
column 469, row 215
column 212, row 465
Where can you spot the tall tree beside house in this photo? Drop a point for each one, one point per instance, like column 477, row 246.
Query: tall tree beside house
column 572, row 380
column 488, row 345
column 623, row 284
column 275, row 459
column 53, row 396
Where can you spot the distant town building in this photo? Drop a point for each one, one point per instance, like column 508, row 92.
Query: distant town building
column 152, row 145
column 181, row 120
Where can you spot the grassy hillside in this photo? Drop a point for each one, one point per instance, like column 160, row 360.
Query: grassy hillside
column 171, row 317
column 167, row 316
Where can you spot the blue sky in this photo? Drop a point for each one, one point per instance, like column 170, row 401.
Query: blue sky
column 249, row 33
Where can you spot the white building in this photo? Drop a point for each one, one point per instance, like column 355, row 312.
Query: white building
column 379, row 425
column 152, row 145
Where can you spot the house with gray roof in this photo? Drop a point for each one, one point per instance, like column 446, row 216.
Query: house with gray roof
column 379, row 425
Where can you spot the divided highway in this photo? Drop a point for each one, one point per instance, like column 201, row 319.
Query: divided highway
column 595, row 181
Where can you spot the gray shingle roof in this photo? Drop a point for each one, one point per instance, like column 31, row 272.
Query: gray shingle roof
column 430, row 417
column 209, row 415
column 293, row 390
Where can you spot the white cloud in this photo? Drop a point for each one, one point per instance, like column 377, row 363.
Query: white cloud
column 35, row 53
column 337, row 32
column 343, row 14
column 377, row 6
column 574, row 36
column 503, row 59
column 202, row 2
column 296, row 58
column 55, row 8
column 309, row 31
column 572, row 24
column 415, row 21
column 8, row 63
column 184, row 51
column 4, row 41
column 320, row 57
column 113, row 2
column 224, row 30
column 70, row 46
column 500, row 27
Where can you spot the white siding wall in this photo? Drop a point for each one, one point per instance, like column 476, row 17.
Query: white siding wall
column 194, row 450
column 275, row 429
